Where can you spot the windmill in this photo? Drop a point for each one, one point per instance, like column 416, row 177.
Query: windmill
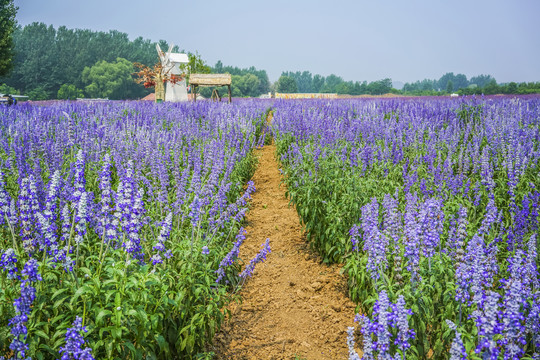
column 171, row 67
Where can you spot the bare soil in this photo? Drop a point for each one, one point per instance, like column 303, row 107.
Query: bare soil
column 294, row 307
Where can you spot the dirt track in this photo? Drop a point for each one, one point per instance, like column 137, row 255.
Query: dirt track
column 294, row 306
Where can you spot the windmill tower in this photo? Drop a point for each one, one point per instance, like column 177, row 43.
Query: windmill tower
column 170, row 63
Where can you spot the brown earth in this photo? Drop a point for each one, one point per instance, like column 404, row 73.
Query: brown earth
column 294, row 307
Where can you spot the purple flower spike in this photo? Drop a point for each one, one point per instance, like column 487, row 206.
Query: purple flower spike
column 260, row 257
column 74, row 343
column 457, row 350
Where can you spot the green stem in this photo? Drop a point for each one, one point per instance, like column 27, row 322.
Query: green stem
column 71, row 234
column 16, row 248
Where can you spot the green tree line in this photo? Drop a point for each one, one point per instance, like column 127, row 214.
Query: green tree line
column 305, row 82
column 50, row 63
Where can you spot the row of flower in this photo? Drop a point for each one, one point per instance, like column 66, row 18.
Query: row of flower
column 432, row 205
column 120, row 225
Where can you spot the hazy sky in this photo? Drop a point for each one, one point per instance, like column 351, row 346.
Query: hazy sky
column 406, row 40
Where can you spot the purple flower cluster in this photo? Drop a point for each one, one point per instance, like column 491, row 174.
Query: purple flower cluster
column 160, row 243
column 73, row 350
column 260, row 257
column 353, row 355
column 8, row 263
column 475, row 273
column 386, row 317
column 375, row 243
column 232, row 255
column 457, row 350
column 23, row 308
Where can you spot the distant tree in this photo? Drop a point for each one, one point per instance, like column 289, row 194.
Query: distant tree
column 491, row 88
column 304, row 80
column 426, row 85
column 380, row 87
column 512, row 88
column 38, row 93
column 481, row 80
column 344, row 88
column 449, row 86
column 460, row 81
column 197, row 65
column 247, row 85
column 6, row 89
column 109, row 79
column 331, row 83
column 218, row 68
column 69, row 92
column 317, row 83
column 286, row 84
column 7, row 26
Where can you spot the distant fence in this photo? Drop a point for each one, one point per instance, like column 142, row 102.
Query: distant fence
column 305, row 96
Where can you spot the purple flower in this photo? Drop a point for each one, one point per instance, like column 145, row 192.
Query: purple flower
column 195, row 211
column 375, row 243
column 431, row 219
column 260, row 257
column 386, row 316
column 490, row 218
column 488, row 325
column 205, row 250
column 28, row 206
column 353, row 232
column 353, row 355
column 231, row 257
column 31, row 270
column 412, row 235
column 74, row 343
column 8, row 261
column 80, row 180
column 392, row 217
column 23, row 308
column 457, row 350
column 163, row 236
column 399, row 320
column 81, row 218
column 476, row 272
column 512, row 317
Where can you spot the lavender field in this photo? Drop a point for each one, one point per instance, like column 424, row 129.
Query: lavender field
column 121, row 222
column 432, row 205
column 120, row 226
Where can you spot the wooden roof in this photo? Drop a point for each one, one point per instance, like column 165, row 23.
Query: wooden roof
column 210, row 79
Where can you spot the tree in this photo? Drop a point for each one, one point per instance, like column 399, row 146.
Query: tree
column 109, row 79
column 317, row 83
column 69, row 92
column 331, row 83
column 512, row 88
column 7, row 26
column 286, row 84
column 491, row 88
column 481, row 80
column 449, row 86
column 38, row 93
column 380, row 87
column 196, row 65
column 6, row 89
column 460, row 81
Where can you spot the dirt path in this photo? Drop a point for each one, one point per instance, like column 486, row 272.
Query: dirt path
column 294, row 307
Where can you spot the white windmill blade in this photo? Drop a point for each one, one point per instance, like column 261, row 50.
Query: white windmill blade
column 168, row 55
column 160, row 53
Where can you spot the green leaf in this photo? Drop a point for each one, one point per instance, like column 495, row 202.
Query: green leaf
column 102, row 314
column 42, row 334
